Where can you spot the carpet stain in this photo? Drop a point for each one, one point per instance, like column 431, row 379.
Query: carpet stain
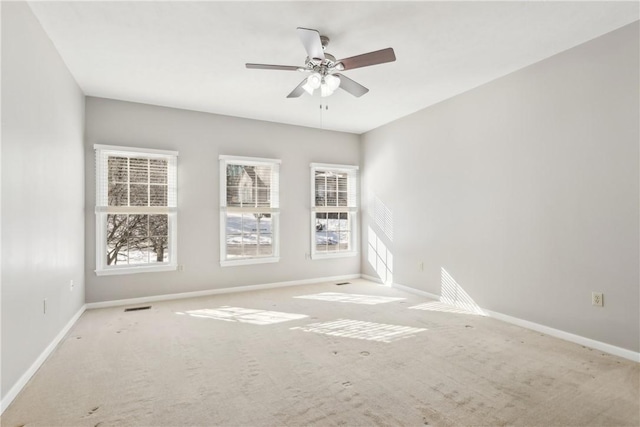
column 365, row 353
column 91, row 412
column 347, row 384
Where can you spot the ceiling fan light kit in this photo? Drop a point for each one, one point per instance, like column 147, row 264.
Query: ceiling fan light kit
column 324, row 67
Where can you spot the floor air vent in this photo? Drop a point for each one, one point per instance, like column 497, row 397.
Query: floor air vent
column 146, row 307
column 343, row 283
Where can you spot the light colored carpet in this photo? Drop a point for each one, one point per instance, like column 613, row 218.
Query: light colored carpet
column 251, row 359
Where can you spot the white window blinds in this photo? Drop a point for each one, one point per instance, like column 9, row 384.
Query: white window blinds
column 136, row 210
column 334, row 210
column 129, row 181
column 249, row 210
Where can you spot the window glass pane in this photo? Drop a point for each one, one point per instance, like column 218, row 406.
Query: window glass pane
column 263, row 197
column 248, row 186
column 249, row 235
column 266, row 245
column 332, row 232
column 117, row 234
column 320, row 188
column 138, row 239
column 158, row 225
column 118, row 195
column 159, row 249
column 333, row 224
column 138, row 227
column 139, row 195
column 342, row 182
column 233, row 196
column 118, row 169
column 344, row 240
column 332, row 183
column 343, row 198
column 158, row 171
column 265, row 234
column 234, row 176
column 234, row 223
column 139, row 250
column 158, row 195
column 139, row 170
column 321, row 232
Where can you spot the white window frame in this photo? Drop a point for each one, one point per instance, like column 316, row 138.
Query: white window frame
column 352, row 209
column 274, row 210
column 102, row 209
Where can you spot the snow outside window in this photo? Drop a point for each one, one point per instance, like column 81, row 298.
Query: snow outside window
column 334, row 210
column 136, row 210
column 249, row 210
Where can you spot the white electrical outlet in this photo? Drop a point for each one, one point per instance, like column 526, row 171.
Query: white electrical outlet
column 71, row 284
column 597, row 299
column 421, row 266
column 180, row 267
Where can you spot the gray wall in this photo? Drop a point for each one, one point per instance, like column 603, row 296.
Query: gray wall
column 524, row 190
column 201, row 138
column 42, row 192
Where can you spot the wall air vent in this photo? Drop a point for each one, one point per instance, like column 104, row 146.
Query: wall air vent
column 146, row 307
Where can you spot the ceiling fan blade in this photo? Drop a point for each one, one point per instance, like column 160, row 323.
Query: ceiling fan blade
column 311, row 42
column 298, row 90
column 367, row 59
column 273, row 67
column 353, row 87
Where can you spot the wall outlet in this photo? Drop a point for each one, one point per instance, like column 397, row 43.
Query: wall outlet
column 44, row 306
column 180, row 267
column 421, row 266
column 71, row 284
column 597, row 299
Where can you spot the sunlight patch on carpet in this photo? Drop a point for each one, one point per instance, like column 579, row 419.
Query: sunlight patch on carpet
column 350, row 298
column 361, row 330
column 244, row 315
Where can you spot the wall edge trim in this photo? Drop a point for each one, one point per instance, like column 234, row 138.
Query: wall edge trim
column 557, row 333
column 24, row 379
column 196, row 294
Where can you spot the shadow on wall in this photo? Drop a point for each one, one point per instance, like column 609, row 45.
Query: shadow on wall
column 452, row 293
column 378, row 255
column 380, row 215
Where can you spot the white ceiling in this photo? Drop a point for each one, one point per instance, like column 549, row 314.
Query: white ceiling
column 191, row 54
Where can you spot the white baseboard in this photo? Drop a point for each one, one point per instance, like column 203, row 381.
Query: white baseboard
column 195, row 294
column 24, row 379
column 416, row 291
column 567, row 336
column 372, row 279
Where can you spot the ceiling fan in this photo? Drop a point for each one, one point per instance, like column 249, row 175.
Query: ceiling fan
column 323, row 68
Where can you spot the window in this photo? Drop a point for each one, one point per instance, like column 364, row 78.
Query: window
column 136, row 210
column 249, row 202
column 334, row 210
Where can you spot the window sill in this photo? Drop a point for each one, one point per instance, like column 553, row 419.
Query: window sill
column 133, row 270
column 248, row 261
column 317, row 256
